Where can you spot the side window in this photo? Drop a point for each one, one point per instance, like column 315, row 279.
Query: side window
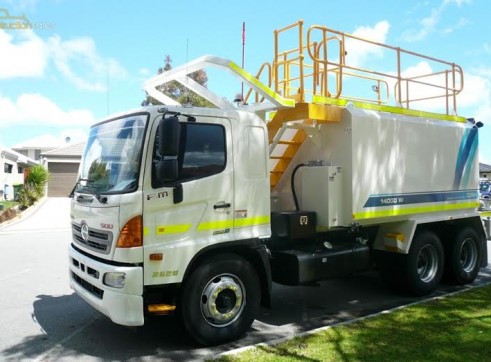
column 202, row 152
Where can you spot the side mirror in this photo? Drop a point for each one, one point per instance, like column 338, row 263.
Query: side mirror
column 169, row 135
column 167, row 170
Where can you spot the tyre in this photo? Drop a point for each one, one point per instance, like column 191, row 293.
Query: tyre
column 389, row 266
column 463, row 257
column 220, row 299
column 423, row 267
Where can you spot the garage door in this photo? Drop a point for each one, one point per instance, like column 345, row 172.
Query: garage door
column 62, row 179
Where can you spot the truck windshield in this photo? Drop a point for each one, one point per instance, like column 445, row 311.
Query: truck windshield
column 112, row 156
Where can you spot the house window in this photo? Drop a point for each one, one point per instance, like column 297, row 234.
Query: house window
column 20, row 169
column 7, row 168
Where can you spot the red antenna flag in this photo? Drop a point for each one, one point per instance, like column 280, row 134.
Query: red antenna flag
column 243, row 33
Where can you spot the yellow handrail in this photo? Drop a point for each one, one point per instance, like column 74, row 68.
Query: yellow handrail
column 325, row 54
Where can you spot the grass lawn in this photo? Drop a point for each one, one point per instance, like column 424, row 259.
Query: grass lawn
column 7, row 204
column 455, row 328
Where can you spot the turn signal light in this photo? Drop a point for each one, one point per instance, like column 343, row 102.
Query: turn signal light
column 161, row 309
column 131, row 234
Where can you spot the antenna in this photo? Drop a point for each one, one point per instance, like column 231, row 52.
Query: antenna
column 243, row 53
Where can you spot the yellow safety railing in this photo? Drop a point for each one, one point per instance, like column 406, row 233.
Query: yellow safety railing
column 323, row 65
column 257, row 97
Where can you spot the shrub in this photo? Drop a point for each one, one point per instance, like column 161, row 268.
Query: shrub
column 28, row 194
column 37, row 177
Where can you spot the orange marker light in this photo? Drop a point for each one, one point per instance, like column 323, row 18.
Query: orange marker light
column 157, row 256
column 131, row 234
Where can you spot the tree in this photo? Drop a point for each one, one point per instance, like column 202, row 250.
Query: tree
column 179, row 92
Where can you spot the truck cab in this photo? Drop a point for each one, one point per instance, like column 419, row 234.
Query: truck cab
column 139, row 224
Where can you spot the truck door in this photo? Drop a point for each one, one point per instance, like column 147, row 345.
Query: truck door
column 176, row 231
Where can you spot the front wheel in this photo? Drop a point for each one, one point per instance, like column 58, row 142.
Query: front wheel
column 463, row 257
column 424, row 264
column 220, row 299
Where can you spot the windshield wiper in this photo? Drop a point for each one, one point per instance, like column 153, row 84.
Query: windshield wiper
column 99, row 197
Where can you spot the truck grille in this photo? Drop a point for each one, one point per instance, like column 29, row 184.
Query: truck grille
column 97, row 240
column 92, row 289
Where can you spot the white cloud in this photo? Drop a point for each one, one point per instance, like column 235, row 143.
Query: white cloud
column 454, row 27
column 24, row 54
column 430, row 23
column 457, row 2
column 23, row 4
column 77, row 59
column 358, row 52
column 35, row 109
column 477, row 90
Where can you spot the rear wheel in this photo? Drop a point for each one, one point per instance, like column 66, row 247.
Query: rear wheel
column 463, row 257
column 220, row 299
column 423, row 267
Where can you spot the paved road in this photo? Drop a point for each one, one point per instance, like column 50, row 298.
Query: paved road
column 42, row 319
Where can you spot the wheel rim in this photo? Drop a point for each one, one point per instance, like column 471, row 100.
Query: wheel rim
column 427, row 263
column 468, row 255
column 223, row 300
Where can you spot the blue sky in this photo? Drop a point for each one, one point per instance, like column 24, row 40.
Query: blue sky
column 87, row 59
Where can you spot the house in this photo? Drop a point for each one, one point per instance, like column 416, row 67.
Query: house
column 62, row 164
column 34, row 147
column 12, row 167
column 484, row 171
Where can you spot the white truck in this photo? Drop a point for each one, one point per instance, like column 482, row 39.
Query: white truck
column 197, row 211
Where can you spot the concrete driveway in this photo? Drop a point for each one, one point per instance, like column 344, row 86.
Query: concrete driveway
column 52, row 213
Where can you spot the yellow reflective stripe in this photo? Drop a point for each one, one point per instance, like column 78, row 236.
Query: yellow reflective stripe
column 486, row 214
column 251, row 221
column 413, row 210
column 145, row 231
column 261, row 86
column 213, row 225
column 172, row 229
column 389, row 109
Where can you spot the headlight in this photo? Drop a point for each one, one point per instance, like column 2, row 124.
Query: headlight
column 115, row 280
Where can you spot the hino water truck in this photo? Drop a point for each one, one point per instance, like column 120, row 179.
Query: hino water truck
column 324, row 168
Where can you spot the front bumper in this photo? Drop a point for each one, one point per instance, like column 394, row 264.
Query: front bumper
column 123, row 306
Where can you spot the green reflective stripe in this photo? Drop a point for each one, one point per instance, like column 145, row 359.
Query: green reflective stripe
column 252, row 221
column 414, row 210
column 172, row 229
column 283, row 101
column 389, row 109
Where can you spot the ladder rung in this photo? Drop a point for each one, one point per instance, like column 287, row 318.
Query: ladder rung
column 289, row 143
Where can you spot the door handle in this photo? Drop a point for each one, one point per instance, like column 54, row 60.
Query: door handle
column 221, row 206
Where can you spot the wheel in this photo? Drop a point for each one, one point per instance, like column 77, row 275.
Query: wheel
column 424, row 264
column 463, row 257
column 220, row 299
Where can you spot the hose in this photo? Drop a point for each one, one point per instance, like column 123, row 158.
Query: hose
column 292, row 184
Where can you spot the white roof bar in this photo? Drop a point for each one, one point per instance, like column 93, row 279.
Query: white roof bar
column 180, row 74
